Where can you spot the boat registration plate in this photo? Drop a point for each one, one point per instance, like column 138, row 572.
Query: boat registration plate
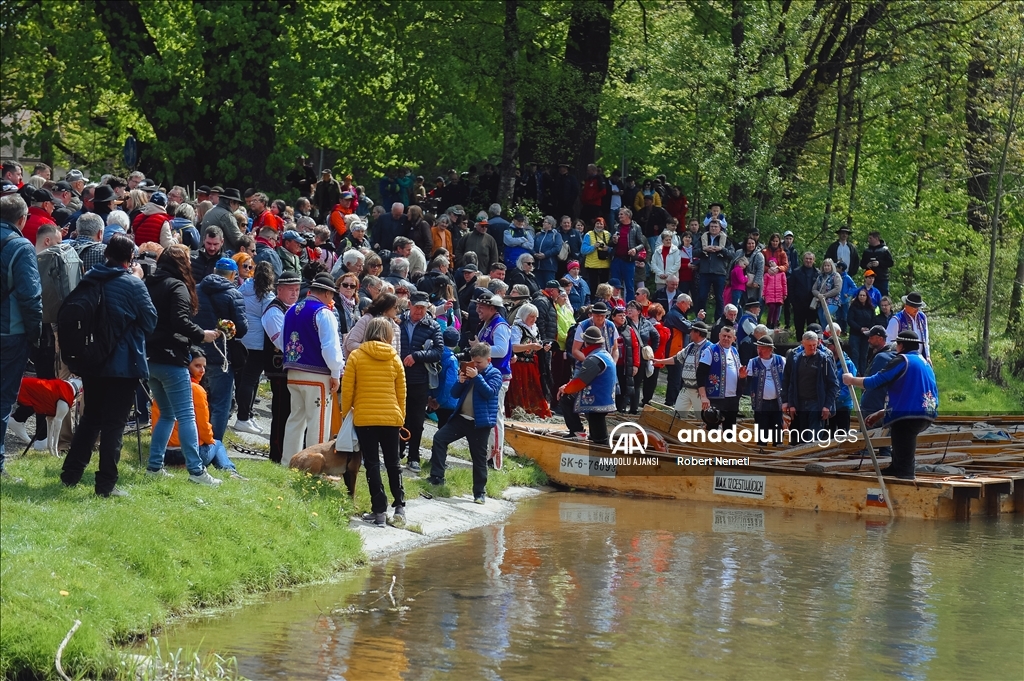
column 581, row 464
column 739, row 485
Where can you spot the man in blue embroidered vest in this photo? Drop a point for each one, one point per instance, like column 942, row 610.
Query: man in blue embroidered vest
column 599, row 319
column 313, row 360
column 810, row 385
column 913, row 401
column 687, row 359
column 591, row 390
column 718, row 377
column 911, row 318
column 475, row 415
column 764, row 383
column 748, row 322
column 495, row 332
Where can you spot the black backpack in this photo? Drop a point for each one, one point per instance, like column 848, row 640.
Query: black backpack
column 86, row 340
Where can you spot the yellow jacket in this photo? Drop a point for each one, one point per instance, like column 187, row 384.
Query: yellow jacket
column 374, row 385
column 638, row 201
column 591, row 239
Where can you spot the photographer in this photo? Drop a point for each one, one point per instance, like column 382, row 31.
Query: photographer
column 129, row 316
column 173, row 292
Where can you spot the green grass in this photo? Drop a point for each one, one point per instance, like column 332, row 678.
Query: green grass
column 125, row 566
column 958, row 365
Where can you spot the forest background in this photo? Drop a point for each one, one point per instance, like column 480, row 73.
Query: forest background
column 896, row 115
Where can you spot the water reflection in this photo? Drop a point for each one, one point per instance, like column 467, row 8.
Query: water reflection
column 593, row 587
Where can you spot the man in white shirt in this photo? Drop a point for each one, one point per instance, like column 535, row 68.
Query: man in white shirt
column 273, row 326
column 764, row 385
column 313, row 359
column 718, row 377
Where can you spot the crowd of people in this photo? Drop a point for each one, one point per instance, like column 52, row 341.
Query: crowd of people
column 375, row 316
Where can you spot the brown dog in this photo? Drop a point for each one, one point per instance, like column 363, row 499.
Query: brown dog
column 323, row 459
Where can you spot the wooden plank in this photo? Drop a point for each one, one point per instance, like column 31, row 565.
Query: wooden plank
column 865, row 463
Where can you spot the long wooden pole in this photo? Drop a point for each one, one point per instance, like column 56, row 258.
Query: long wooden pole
column 856, row 406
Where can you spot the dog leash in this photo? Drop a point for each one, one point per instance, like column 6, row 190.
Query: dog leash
column 249, row 451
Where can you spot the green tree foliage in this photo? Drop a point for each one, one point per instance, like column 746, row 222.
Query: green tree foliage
column 799, row 114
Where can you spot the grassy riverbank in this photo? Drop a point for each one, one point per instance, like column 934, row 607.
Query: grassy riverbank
column 126, row 566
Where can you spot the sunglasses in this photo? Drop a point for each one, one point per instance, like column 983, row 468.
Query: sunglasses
column 349, row 286
column 377, row 266
column 248, row 267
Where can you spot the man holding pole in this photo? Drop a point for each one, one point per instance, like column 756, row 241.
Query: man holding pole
column 913, row 401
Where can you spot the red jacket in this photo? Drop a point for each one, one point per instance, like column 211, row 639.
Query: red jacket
column 677, row 208
column 37, row 217
column 634, row 341
column 147, row 227
column 594, row 189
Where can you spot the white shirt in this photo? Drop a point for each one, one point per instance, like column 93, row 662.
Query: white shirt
column 771, row 391
column 732, row 369
column 616, row 196
column 273, row 324
column 843, row 253
column 609, row 342
column 330, row 342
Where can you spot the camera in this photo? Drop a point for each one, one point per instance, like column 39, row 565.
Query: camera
column 146, row 262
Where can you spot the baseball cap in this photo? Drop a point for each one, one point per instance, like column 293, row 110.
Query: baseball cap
column 292, row 235
column 877, row 330
column 419, row 298
column 869, row 273
column 787, row 233
column 226, row 264
column 159, row 198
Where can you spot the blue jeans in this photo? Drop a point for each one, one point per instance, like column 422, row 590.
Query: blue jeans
column 217, row 455
column 222, row 389
column 172, row 390
column 859, row 351
column 13, row 360
column 709, row 282
column 832, row 309
column 624, row 271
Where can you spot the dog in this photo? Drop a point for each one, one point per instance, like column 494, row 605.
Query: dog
column 324, row 459
column 49, row 397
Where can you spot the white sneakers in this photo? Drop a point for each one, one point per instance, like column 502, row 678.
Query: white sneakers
column 40, row 445
column 247, row 427
column 204, row 479
column 18, row 430
column 162, row 473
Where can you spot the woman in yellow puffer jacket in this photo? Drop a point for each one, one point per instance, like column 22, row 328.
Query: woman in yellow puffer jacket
column 374, row 387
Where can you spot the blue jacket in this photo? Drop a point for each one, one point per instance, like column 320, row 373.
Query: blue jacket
column 21, row 312
column 131, row 316
column 873, row 399
column 828, row 381
column 219, row 299
column 912, row 390
column 449, row 378
column 426, row 330
column 265, row 253
column 548, row 243
column 575, row 240
column 486, row 388
column 849, row 289
column 579, row 295
column 845, row 398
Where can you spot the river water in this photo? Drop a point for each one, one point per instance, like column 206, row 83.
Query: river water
column 579, row 586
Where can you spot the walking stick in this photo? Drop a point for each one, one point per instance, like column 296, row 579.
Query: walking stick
column 856, row 406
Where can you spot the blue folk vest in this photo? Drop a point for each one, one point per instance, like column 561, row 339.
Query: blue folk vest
column 760, row 377
column 918, row 326
column 302, row 339
column 717, row 377
column 740, row 333
column 599, row 396
column 913, row 393
column 486, row 335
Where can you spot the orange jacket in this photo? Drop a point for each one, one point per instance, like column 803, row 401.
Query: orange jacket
column 337, row 218
column 202, row 407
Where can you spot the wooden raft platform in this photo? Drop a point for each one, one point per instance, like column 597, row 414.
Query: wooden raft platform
column 986, row 477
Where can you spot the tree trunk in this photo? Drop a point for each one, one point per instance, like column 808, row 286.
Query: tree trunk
column 832, row 156
column 222, row 131
column 832, row 59
column 856, row 165
column 979, row 136
column 587, row 50
column 509, row 114
column 743, row 123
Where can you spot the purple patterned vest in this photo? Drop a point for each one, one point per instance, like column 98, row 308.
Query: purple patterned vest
column 302, row 339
